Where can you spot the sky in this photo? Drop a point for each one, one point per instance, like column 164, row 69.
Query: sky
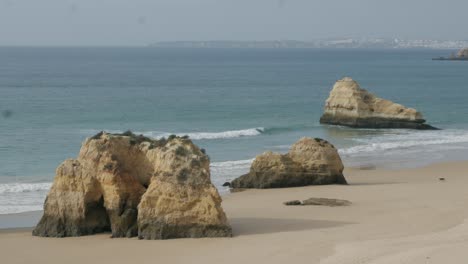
column 141, row 22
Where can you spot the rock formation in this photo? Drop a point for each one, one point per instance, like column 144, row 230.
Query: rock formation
column 463, row 53
column 326, row 202
column 308, row 162
column 319, row 201
column 133, row 185
column 350, row 105
column 292, row 202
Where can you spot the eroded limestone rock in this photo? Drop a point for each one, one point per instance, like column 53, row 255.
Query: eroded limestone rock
column 133, row 185
column 350, row 105
column 463, row 53
column 309, row 162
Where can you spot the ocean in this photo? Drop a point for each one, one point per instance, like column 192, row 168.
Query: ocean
column 235, row 103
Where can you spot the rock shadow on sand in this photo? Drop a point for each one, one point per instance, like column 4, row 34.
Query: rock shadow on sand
column 255, row 226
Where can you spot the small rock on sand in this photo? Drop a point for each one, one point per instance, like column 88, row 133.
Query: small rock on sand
column 319, row 201
column 326, row 202
column 293, row 202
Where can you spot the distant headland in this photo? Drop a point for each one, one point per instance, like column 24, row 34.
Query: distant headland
column 462, row 55
column 376, row 43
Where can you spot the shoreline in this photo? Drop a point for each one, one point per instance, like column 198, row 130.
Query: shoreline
column 397, row 215
column 224, row 193
column 19, row 220
column 365, row 167
column 382, row 150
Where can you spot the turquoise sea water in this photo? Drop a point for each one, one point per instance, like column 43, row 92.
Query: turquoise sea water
column 235, row 103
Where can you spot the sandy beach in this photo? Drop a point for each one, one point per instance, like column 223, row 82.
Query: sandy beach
column 397, row 216
column 213, row 132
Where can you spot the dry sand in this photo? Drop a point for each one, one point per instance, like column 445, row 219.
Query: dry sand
column 399, row 216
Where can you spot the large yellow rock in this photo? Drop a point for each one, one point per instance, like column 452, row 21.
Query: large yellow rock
column 308, row 162
column 132, row 185
column 350, row 105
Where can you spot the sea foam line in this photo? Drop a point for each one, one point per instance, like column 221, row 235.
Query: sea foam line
column 24, row 187
column 249, row 132
column 213, row 135
column 232, row 164
column 406, row 140
column 6, row 188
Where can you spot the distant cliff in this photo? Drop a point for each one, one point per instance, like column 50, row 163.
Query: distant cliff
column 377, row 43
column 461, row 55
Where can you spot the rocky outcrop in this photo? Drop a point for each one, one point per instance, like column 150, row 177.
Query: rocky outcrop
column 308, row 162
column 326, row 202
column 350, row 105
column 133, row 185
column 463, row 53
column 319, row 201
column 292, row 202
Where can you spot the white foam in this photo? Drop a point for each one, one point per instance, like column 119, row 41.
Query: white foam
column 406, row 140
column 196, row 135
column 22, row 197
column 231, row 164
column 24, row 187
column 15, row 209
column 225, row 134
column 227, row 171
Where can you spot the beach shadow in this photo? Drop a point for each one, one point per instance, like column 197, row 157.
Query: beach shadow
column 253, row 226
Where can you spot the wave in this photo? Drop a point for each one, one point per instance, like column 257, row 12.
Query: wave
column 406, row 140
column 24, row 187
column 249, row 132
column 15, row 209
column 22, row 197
column 215, row 135
column 227, row 171
column 231, row 163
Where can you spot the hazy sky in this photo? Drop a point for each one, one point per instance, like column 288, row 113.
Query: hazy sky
column 139, row 22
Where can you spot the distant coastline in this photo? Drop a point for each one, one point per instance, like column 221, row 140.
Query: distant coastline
column 462, row 55
column 378, row 43
column 451, row 59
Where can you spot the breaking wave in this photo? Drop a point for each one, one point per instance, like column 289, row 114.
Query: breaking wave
column 22, row 197
column 406, row 140
column 249, row 132
column 24, row 187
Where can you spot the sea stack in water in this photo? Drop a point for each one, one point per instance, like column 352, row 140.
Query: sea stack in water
column 463, row 53
column 308, row 162
column 350, row 105
column 133, row 185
